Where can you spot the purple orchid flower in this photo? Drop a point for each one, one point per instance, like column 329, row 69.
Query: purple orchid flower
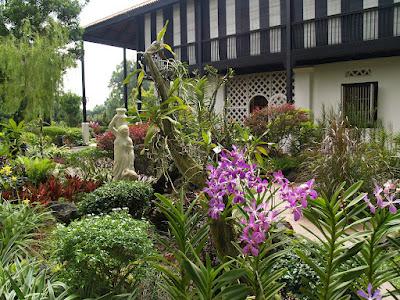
column 369, row 295
column 232, row 177
column 386, row 196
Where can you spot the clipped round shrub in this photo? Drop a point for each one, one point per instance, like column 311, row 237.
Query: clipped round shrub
column 134, row 195
column 98, row 255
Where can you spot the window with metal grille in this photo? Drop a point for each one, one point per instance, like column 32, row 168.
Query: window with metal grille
column 360, row 103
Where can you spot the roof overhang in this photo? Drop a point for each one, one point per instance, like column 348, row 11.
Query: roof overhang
column 122, row 29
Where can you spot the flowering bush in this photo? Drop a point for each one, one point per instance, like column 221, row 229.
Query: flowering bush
column 235, row 184
column 137, row 133
column 9, row 179
column 95, row 126
column 105, row 141
column 285, row 125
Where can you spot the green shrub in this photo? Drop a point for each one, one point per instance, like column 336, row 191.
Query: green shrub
column 36, row 170
column 285, row 125
column 135, row 195
column 63, row 135
column 11, row 136
column 100, row 254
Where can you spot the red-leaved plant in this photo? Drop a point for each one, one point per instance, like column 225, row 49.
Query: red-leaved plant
column 54, row 189
column 137, row 133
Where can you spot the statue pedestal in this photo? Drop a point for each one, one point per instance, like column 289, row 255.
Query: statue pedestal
column 85, row 133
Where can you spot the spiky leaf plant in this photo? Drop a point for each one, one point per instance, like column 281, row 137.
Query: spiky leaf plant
column 260, row 275
column 337, row 241
column 186, row 276
column 377, row 253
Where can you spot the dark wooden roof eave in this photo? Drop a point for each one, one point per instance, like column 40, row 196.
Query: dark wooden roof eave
column 93, row 33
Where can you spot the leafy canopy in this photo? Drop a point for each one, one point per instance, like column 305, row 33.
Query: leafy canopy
column 39, row 13
column 31, row 71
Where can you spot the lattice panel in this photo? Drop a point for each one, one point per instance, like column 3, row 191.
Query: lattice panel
column 358, row 73
column 242, row 88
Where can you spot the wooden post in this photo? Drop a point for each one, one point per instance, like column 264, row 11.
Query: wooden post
column 125, row 85
column 289, row 62
column 199, row 34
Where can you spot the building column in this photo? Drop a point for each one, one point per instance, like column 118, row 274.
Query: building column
column 304, row 87
column 289, row 60
column 199, row 34
column 85, row 124
column 125, row 85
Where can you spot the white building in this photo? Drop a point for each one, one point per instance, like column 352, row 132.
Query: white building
column 318, row 53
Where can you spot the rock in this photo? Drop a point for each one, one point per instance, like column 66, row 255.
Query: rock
column 64, row 212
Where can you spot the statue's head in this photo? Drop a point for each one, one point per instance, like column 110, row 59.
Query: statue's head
column 121, row 111
column 123, row 130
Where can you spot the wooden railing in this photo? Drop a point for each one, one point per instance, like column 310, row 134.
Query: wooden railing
column 364, row 25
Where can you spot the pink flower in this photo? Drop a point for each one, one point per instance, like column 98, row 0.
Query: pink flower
column 385, row 196
column 297, row 198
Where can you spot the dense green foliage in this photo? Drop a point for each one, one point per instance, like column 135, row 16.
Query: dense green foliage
column 68, row 109
column 37, row 170
column 40, row 14
column 31, row 70
column 21, row 275
column 20, row 225
column 298, row 276
column 99, row 255
column 91, row 164
column 11, row 138
column 134, row 195
column 60, row 135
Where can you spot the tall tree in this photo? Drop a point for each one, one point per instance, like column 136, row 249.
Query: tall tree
column 65, row 13
column 68, row 109
column 31, row 71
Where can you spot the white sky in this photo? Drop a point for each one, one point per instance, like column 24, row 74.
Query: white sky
column 100, row 60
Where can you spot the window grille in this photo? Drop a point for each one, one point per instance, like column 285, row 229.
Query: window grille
column 360, row 103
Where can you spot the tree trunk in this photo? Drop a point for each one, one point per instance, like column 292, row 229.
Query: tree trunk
column 186, row 165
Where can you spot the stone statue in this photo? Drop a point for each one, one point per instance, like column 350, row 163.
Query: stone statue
column 124, row 156
column 119, row 119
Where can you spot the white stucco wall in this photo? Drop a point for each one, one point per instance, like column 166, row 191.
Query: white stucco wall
column 321, row 86
column 220, row 97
